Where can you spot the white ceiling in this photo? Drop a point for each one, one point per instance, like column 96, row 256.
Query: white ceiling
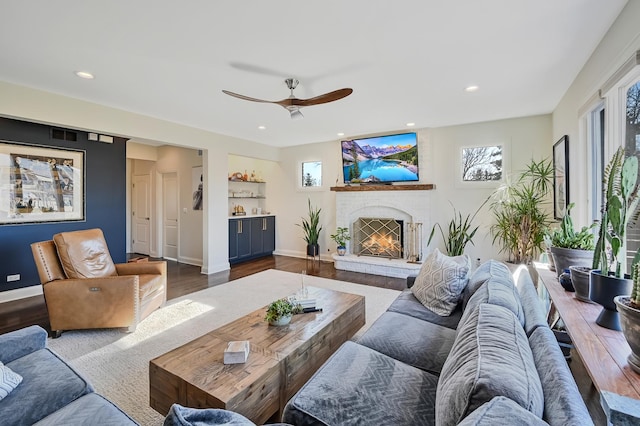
column 406, row 60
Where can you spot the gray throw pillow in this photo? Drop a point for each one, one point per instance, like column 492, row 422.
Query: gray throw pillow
column 9, row 380
column 490, row 357
column 440, row 282
column 185, row 416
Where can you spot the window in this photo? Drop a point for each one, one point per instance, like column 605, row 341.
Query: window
column 632, row 147
column 596, row 132
column 312, row 174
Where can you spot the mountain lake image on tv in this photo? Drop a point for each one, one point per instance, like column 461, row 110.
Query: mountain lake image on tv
column 382, row 159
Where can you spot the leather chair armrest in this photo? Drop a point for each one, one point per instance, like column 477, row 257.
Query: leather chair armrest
column 16, row 344
column 158, row 267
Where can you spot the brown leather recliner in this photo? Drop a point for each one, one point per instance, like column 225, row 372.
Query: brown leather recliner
column 83, row 288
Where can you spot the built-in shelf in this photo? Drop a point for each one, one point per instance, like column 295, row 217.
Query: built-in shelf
column 418, row 187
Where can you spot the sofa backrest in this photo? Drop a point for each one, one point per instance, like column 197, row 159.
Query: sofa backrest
column 84, row 254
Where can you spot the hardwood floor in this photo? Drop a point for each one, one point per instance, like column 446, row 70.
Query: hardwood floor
column 184, row 279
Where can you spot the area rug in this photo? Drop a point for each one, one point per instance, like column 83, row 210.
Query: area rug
column 117, row 364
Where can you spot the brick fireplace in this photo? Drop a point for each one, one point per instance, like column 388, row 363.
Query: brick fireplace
column 406, row 207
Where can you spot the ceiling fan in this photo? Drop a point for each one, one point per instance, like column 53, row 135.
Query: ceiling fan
column 293, row 104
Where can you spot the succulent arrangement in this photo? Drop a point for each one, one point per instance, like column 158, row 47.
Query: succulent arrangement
column 567, row 237
column 281, row 308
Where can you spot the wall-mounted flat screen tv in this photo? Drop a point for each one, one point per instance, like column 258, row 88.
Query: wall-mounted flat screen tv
column 381, row 159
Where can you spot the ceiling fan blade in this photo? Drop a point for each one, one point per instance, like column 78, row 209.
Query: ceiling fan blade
column 247, row 98
column 323, row 99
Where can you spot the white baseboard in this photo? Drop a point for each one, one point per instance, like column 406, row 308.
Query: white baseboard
column 20, row 293
column 190, row 261
column 302, row 255
column 224, row 266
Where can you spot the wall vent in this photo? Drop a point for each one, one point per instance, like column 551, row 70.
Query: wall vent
column 64, row 135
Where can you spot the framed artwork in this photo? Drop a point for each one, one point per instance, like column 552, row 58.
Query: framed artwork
column 196, row 186
column 41, row 184
column 560, row 177
column 482, row 163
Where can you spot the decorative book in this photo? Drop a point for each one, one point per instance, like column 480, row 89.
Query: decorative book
column 237, row 352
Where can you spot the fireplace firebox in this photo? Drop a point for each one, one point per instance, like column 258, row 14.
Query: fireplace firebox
column 379, row 237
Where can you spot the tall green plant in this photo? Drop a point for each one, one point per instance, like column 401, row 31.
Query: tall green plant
column 459, row 232
column 619, row 206
column 311, row 226
column 521, row 214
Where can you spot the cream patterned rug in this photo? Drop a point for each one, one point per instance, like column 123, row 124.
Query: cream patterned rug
column 117, row 364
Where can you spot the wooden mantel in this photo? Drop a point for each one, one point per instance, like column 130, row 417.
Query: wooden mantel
column 419, row 187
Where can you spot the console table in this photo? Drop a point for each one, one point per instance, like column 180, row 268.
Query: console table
column 603, row 352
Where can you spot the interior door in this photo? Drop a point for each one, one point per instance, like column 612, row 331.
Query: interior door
column 141, row 214
column 170, row 216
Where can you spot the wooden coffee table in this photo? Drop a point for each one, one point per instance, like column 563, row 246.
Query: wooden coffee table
column 281, row 360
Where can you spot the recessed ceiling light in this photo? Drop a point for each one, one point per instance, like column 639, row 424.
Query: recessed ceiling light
column 261, row 127
column 84, row 74
column 471, row 88
column 340, row 134
column 411, row 124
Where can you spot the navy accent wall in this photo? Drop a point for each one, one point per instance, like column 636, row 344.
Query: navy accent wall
column 105, row 204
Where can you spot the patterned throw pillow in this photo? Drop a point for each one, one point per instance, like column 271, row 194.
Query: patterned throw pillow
column 8, row 380
column 440, row 282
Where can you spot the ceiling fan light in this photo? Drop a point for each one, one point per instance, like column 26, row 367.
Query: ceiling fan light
column 296, row 114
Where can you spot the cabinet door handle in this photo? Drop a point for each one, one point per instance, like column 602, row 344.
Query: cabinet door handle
column 239, row 227
column 264, row 223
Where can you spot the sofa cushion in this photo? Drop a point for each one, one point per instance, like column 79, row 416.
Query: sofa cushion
column 497, row 411
column 496, row 291
column 359, row 386
column 490, row 357
column 48, row 384
column 440, row 282
column 184, row 416
column 563, row 404
column 84, row 254
column 88, row 410
column 9, row 380
column 415, row 342
column 407, row 304
column 483, row 273
column 534, row 313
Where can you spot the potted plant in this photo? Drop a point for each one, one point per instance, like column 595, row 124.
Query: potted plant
column 629, row 309
column 459, row 232
column 312, row 228
column 520, row 212
column 573, row 250
column 281, row 311
column 620, row 201
column 341, row 237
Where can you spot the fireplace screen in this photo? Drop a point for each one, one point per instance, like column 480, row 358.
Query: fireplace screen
column 378, row 237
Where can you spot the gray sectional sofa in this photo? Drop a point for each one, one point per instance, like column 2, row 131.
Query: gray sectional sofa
column 493, row 361
column 51, row 391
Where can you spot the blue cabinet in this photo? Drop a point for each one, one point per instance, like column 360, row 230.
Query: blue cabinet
column 250, row 238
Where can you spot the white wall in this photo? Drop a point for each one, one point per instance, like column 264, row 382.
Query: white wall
column 439, row 150
column 621, row 41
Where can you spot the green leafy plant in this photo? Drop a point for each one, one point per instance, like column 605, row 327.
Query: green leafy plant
column 520, row 212
column 281, row 308
column 341, row 236
column 459, row 232
column 566, row 236
column 311, row 226
column 619, row 206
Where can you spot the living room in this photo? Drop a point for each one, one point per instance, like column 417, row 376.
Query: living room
column 171, row 146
